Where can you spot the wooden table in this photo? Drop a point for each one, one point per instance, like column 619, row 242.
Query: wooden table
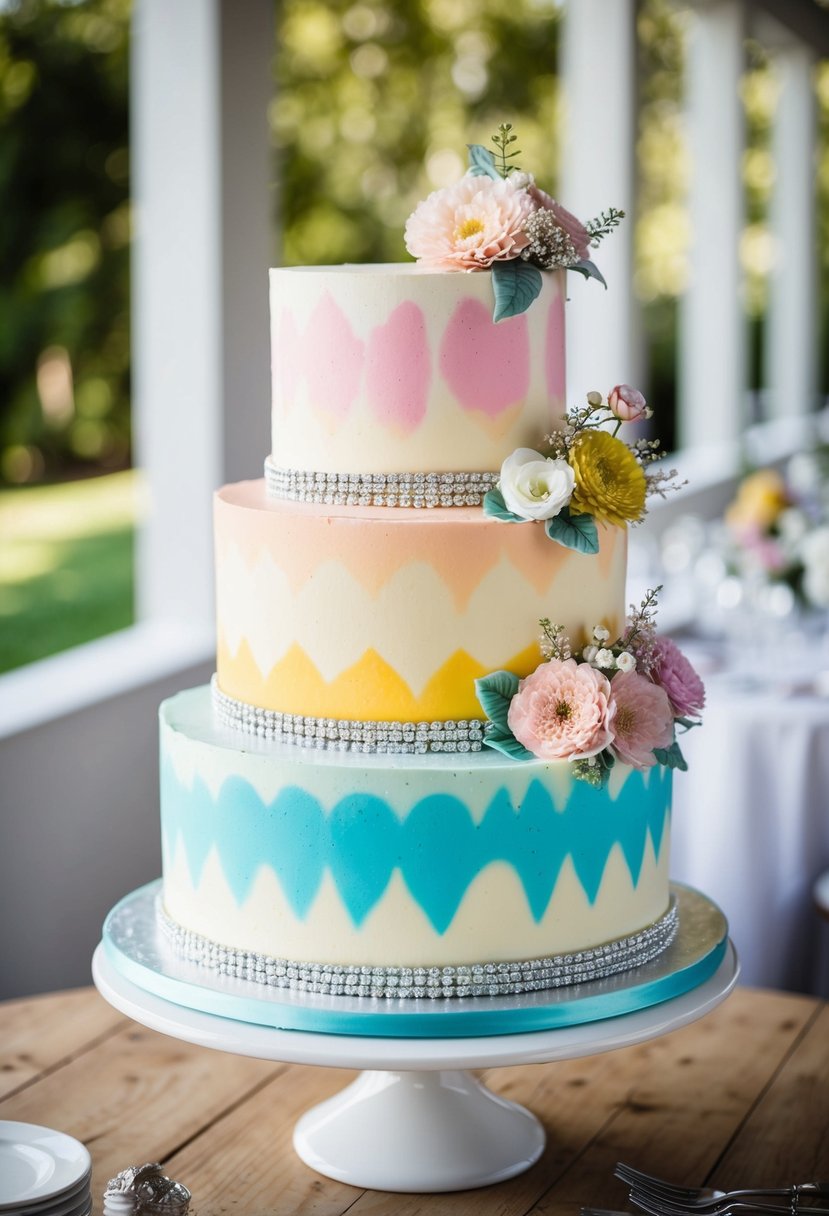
column 741, row 1096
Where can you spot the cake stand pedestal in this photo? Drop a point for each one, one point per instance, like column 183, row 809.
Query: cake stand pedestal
column 414, row 1120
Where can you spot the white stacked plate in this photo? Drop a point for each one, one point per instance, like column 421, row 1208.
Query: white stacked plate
column 43, row 1172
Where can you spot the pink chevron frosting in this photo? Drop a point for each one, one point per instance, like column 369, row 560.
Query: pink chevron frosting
column 487, row 366
column 333, row 359
column 399, row 368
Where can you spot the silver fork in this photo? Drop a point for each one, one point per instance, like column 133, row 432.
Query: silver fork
column 654, row 1208
column 706, row 1199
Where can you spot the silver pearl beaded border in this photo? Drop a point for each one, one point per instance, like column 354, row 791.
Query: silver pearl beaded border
column 343, row 734
column 378, row 489
column 437, row 983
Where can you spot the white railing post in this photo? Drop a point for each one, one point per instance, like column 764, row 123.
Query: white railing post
column 200, row 89
column 791, row 333
column 712, row 344
column 598, row 170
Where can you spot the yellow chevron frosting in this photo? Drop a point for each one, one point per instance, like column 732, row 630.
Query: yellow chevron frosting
column 384, row 614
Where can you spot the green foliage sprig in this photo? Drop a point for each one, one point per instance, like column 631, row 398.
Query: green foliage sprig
column 603, row 224
column 502, row 142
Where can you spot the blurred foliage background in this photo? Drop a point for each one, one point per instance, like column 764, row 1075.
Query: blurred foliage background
column 374, row 102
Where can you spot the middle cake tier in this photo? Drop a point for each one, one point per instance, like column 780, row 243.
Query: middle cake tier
column 390, row 614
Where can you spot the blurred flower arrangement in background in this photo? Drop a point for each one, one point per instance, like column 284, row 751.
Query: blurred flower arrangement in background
column 777, row 529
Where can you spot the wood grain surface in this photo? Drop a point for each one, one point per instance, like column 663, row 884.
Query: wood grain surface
column 738, row 1098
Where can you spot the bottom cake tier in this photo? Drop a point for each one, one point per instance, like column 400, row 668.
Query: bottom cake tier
column 396, row 875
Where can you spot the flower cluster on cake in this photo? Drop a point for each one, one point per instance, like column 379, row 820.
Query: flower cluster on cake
column 589, row 474
column 496, row 218
column 612, row 699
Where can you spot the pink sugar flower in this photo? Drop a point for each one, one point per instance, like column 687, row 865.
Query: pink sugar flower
column 672, row 671
column 470, row 225
column 627, row 403
column 565, row 219
column 562, row 711
column 643, row 719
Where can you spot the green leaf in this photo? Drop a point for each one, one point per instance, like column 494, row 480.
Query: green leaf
column 481, row 162
column 516, row 284
column 577, row 532
column 495, row 692
column 496, row 508
column 508, row 745
column 671, row 757
column 589, row 269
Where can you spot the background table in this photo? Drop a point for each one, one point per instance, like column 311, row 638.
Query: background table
column 742, row 1094
column 750, row 821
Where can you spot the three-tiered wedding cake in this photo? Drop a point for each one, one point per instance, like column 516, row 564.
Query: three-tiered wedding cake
column 333, row 818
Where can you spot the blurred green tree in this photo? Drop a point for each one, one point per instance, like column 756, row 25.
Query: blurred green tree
column 64, row 239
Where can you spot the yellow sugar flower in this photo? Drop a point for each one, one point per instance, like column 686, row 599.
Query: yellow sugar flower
column 610, row 483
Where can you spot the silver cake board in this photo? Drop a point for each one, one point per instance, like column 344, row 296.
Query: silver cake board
column 136, row 948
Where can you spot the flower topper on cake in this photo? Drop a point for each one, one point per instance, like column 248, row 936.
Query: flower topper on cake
column 612, row 700
column 496, row 218
column 589, row 474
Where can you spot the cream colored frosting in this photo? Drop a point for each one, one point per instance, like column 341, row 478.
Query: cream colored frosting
column 392, row 368
column 220, row 797
column 391, row 614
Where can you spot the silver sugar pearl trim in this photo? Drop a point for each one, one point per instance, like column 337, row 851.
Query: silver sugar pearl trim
column 421, row 490
column 343, row 734
column 435, row 983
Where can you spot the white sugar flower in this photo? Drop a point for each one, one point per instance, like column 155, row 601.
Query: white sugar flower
column 605, row 658
column 535, row 487
column 626, row 661
column 589, row 654
column 600, row 633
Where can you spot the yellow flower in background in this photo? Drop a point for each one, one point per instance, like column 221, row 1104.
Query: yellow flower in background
column 610, row 483
column 761, row 498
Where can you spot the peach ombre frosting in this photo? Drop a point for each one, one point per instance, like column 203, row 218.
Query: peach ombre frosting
column 374, row 613
column 393, row 368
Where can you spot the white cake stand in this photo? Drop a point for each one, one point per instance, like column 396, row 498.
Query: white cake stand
column 415, row 1120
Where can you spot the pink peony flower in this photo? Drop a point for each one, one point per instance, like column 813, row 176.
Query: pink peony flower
column 627, row 403
column 562, row 711
column 565, row 219
column 470, row 225
column 643, row 719
column 672, row 671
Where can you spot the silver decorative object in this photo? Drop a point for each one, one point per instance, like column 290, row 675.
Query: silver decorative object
column 393, row 983
column 378, row 489
column 152, row 1192
column 343, row 734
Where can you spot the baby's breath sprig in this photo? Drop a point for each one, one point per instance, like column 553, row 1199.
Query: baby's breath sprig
column 639, row 636
column 647, row 451
column 603, row 225
column 502, row 142
column 660, row 481
column 555, row 643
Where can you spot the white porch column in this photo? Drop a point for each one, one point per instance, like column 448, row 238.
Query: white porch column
column 200, row 90
column 712, row 347
column 791, row 335
column 598, row 171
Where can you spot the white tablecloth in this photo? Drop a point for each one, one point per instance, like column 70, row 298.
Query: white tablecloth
column 751, row 826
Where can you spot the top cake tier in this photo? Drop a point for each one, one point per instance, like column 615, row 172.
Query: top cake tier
column 393, row 369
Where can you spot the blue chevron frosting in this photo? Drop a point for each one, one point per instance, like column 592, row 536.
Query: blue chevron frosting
column 437, row 844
